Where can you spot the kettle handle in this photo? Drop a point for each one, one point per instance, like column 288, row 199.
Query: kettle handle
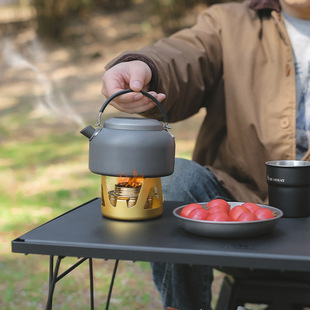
column 165, row 118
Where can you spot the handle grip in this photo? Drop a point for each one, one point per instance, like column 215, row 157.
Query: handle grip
column 129, row 91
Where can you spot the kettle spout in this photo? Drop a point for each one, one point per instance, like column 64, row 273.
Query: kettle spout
column 88, row 131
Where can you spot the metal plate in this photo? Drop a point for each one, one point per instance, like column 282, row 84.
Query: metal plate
column 228, row 229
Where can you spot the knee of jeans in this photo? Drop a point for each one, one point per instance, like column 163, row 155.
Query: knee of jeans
column 183, row 184
column 191, row 182
column 184, row 171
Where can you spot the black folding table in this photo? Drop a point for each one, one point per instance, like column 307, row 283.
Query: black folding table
column 83, row 232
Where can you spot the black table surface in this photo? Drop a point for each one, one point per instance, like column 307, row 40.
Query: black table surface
column 84, row 232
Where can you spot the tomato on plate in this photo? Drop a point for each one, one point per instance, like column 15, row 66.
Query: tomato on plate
column 219, row 217
column 247, row 217
column 218, row 202
column 253, row 207
column 218, row 208
column 237, row 211
column 187, row 209
column 264, row 214
column 199, row 214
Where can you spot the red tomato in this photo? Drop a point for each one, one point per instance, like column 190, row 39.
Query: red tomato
column 264, row 214
column 219, row 217
column 236, row 211
column 251, row 206
column 187, row 209
column 246, row 217
column 219, row 202
column 199, row 214
column 218, row 208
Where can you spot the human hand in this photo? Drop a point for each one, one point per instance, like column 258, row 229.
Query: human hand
column 135, row 75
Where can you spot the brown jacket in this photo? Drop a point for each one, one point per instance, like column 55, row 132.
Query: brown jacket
column 237, row 62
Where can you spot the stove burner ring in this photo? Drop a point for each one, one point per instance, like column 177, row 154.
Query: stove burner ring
column 130, row 194
column 121, row 190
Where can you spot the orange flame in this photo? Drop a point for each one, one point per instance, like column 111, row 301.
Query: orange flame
column 135, row 181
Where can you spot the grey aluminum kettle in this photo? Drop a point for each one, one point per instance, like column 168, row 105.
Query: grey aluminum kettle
column 128, row 146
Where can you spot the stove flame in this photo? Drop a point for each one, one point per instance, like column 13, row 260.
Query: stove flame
column 133, row 182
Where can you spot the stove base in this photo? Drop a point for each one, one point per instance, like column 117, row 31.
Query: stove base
column 149, row 202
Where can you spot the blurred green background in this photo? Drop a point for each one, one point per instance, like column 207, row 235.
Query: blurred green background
column 53, row 55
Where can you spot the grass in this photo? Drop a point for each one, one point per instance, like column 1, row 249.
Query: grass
column 44, row 173
column 44, row 177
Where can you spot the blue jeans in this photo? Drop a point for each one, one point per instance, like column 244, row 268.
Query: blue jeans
column 187, row 287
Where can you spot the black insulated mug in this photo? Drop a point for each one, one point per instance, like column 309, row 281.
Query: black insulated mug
column 289, row 186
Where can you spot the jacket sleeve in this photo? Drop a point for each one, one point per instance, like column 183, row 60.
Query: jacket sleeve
column 186, row 66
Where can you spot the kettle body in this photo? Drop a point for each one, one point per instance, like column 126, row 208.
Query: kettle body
column 128, row 146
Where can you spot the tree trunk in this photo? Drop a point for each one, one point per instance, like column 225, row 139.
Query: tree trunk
column 53, row 16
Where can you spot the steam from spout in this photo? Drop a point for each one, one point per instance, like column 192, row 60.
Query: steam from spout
column 51, row 94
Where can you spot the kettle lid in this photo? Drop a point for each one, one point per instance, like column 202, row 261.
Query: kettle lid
column 133, row 123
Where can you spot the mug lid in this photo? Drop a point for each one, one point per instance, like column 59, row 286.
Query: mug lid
column 288, row 163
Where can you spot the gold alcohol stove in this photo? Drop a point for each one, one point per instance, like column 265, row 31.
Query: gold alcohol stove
column 132, row 203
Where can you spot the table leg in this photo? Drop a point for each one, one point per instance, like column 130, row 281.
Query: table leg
column 91, row 284
column 54, row 278
column 111, row 284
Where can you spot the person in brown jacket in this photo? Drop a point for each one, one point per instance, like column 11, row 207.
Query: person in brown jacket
column 248, row 65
